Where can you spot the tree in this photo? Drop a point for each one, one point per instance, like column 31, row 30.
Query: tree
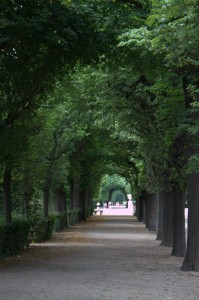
column 38, row 40
column 180, row 34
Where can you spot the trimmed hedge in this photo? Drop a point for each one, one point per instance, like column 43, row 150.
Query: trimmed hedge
column 42, row 230
column 61, row 221
column 89, row 212
column 14, row 237
column 73, row 216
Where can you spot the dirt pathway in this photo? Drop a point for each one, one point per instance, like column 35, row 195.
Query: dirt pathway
column 103, row 258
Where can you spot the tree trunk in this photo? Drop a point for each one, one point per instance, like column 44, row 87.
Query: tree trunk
column 160, row 218
column 26, row 202
column 179, row 243
column 46, row 201
column 139, row 209
column 74, row 193
column 82, row 204
column 152, row 212
column 167, row 232
column 64, row 206
column 147, row 210
column 58, row 200
column 144, row 209
column 89, row 200
column 7, row 195
column 191, row 262
column 72, row 200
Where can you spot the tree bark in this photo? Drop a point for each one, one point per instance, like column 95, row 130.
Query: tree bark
column 152, row 212
column 58, row 200
column 167, row 232
column 82, row 205
column 26, row 202
column 64, row 206
column 139, row 209
column 191, row 262
column 7, row 195
column 160, row 218
column 144, row 209
column 179, row 243
column 89, row 202
column 146, row 199
column 72, row 200
column 46, row 201
column 137, row 206
column 74, row 193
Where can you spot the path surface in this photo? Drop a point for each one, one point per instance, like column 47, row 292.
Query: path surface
column 103, row 258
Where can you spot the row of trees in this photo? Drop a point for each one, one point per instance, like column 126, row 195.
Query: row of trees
column 90, row 88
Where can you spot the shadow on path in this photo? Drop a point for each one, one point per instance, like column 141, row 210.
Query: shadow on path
column 102, row 258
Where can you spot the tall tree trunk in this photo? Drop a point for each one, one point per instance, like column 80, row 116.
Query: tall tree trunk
column 152, row 212
column 167, row 232
column 89, row 200
column 191, row 262
column 64, row 206
column 28, row 191
column 139, row 208
column 74, row 193
column 60, row 207
column 46, row 191
column 179, row 243
column 26, row 202
column 147, row 204
column 82, row 204
column 46, row 201
column 58, row 200
column 7, row 195
column 144, row 209
column 160, row 217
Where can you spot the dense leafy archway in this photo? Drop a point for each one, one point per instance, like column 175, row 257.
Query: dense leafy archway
column 117, row 194
column 90, row 88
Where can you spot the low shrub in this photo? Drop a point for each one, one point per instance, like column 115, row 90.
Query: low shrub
column 42, row 230
column 89, row 212
column 73, row 216
column 61, row 221
column 14, row 236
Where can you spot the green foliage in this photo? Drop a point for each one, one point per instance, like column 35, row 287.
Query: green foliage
column 34, row 215
column 165, row 50
column 127, row 113
column 88, row 212
column 43, row 229
column 61, row 221
column 73, row 216
column 14, row 237
column 113, row 182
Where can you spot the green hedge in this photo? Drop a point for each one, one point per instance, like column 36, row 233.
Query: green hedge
column 14, row 237
column 61, row 221
column 42, row 230
column 89, row 212
column 73, row 216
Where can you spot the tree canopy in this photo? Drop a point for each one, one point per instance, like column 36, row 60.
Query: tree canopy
column 90, row 89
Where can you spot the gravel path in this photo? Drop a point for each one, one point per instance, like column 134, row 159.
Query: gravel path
column 103, row 258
